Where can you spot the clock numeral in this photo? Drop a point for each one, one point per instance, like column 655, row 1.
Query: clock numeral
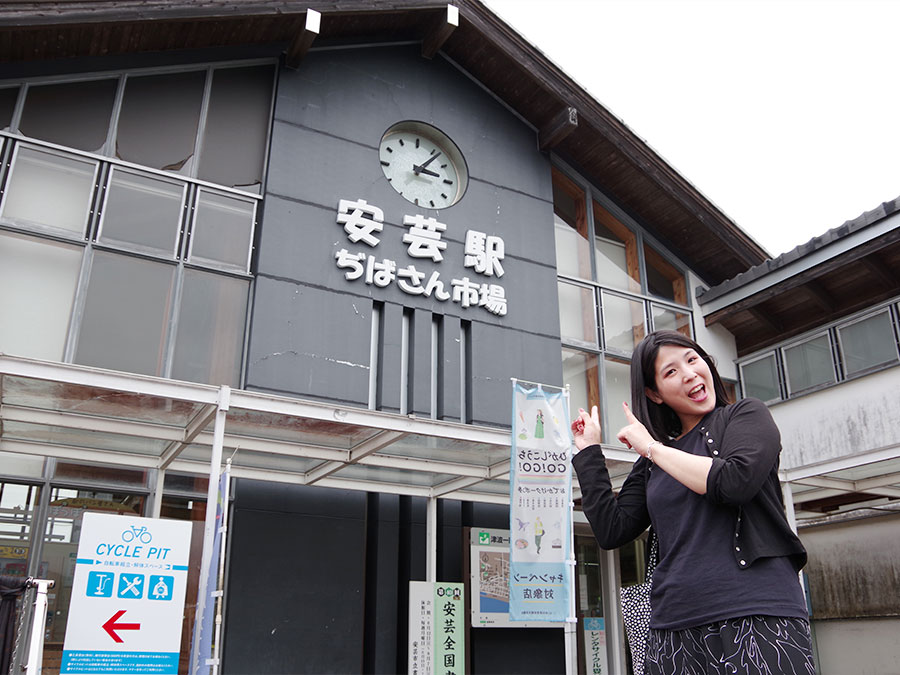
column 443, row 166
column 400, row 140
column 443, row 195
column 433, row 150
column 389, row 149
column 417, row 142
column 448, row 182
column 383, row 163
column 431, row 202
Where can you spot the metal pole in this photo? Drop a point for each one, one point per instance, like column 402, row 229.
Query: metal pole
column 38, row 623
column 215, row 464
column 431, row 540
column 571, row 626
column 220, row 587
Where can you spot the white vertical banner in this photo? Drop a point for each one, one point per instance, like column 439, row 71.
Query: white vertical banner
column 540, row 579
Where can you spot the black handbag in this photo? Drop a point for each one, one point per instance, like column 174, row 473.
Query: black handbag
column 636, row 609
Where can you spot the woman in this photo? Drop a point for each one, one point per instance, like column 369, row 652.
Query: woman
column 726, row 596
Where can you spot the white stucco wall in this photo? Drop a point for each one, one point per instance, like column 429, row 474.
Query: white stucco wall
column 858, row 646
column 717, row 341
column 853, row 417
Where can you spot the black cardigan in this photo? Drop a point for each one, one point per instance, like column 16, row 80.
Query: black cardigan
column 744, row 444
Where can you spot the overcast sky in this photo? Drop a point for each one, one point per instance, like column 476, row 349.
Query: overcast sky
column 784, row 113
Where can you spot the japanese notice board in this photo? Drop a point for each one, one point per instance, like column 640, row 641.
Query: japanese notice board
column 436, row 629
column 127, row 596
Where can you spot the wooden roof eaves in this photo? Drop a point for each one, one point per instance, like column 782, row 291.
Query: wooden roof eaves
column 592, row 113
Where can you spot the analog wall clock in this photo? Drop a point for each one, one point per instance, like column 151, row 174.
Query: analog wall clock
column 423, row 165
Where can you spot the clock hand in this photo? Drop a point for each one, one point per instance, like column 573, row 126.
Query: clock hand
column 422, row 169
column 417, row 169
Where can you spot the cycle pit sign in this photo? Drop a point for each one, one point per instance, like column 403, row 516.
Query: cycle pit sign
column 127, row 603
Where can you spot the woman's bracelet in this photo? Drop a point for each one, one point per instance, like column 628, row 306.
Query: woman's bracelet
column 649, row 450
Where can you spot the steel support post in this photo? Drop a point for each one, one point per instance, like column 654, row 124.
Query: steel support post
column 198, row 661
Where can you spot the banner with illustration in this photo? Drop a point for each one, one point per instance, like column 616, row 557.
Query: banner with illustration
column 540, row 495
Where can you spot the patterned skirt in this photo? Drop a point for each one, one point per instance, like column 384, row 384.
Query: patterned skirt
column 749, row 645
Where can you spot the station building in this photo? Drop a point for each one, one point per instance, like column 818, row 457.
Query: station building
column 329, row 234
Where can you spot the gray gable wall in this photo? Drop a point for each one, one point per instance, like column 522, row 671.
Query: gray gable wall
column 311, row 328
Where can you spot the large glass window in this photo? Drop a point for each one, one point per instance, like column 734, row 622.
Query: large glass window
column 616, row 253
column 577, row 315
column 159, row 120
column 581, row 374
column 573, row 251
column 867, row 343
column 126, row 314
column 223, row 231
column 74, row 114
column 623, row 322
column 17, row 505
column 618, row 390
column 809, row 364
column 664, row 279
column 37, row 288
column 8, row 98
column 210, row 328
column 237, row 127
column 665, row 318
column 49, row 189
column 760, row 378
column 142, row 212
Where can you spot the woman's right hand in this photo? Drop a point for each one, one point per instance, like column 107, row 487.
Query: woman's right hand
column 586, row 428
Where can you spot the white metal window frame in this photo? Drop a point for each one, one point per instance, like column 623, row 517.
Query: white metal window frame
column 773, row 354
column 877, row 366
column 892, row 306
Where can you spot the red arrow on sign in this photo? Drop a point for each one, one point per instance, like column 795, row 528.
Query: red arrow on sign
column 111, row 626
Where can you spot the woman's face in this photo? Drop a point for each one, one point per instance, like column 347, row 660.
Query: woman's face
column 684, row 383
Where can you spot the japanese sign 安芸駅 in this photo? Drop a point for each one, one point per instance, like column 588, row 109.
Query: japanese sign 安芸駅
column 483, row 254
column 127, row 603
column 540, row 505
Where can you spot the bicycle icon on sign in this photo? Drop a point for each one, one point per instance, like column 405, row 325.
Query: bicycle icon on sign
column 142, row 534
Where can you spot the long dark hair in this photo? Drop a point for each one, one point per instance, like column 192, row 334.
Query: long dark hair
column 660, row 420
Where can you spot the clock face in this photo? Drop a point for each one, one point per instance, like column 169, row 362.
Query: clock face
column 423, row 165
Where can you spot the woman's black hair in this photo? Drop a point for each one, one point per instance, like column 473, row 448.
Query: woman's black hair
column 660, row 420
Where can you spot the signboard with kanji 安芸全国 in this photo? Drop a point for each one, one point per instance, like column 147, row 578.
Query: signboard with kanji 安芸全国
column 128, row 592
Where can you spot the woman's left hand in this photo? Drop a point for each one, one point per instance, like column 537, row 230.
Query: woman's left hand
column 635, row 434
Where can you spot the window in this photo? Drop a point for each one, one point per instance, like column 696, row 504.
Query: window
column 573, row 254
column 577, row 315
column 126, row 313
column 617, row 390
column 37, row 286
column 867, row 343
column 619, row 296
column 616, row 253
column 74, row 114
column 142, row 213
column 159, row 120
column 663, row 279
column 809, row 364
column 623, row 322
column 38, row 173
column 156, row 278
column 760, row 378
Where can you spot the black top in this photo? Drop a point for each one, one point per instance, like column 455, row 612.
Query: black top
column 696, row 581
column 744, row 444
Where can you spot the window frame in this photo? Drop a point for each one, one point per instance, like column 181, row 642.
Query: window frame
column 878, row 366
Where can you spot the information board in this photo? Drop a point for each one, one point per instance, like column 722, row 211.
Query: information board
column 128, row 592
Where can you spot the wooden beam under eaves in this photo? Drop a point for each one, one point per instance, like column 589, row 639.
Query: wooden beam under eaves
column 304, row 39
column 562, row 124
column 440, row 32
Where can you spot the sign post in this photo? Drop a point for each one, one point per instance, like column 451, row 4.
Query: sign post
column 127, row 601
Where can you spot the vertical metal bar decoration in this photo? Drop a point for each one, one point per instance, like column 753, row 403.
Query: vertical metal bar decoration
column 212, row 495
column 224, row 495
column 540, row 575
